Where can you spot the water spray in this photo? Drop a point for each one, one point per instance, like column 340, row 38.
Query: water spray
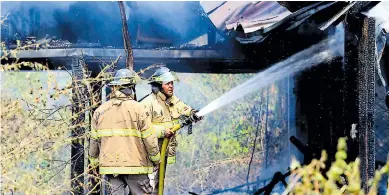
column 324, row 51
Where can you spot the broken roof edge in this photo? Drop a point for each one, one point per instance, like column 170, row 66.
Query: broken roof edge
column 300, row 16
column 138, row 53
column 261, row 34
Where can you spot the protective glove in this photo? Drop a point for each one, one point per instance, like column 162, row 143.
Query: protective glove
column 194, row 117
column 169, row 134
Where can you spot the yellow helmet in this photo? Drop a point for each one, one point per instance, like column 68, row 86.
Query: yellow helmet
column 124, row 77
column 163, row 75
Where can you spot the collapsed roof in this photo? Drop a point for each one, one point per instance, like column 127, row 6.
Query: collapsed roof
column 162, row 25
column 252, row 22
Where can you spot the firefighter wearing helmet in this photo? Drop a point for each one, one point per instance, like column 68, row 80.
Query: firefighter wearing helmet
column 123, row 142
column 165, row 109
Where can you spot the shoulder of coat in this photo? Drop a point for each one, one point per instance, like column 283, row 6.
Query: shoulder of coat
column 102, row 109
column 133, row 106
column 175, row 99
column 141, row 108
column 131, row 103
column 149, row 99
column 104, row 106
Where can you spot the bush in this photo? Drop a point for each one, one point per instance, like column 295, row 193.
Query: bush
column 341, row 178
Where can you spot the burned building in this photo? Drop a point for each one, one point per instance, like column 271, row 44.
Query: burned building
column 332, row 99
column 342, row 97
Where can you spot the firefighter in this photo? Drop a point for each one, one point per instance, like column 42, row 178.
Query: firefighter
column 165, row 109
column 123, row 142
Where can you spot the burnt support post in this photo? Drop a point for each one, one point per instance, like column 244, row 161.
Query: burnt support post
column 98, row 188
column 359, row 91
column 366, row 89
column 352, row 28
column 126, row 38
column 77, row 150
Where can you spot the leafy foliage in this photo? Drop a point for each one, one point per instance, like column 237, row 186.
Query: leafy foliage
column 342, row 177
column 37, row 122
column 35, row 131
column 218, row 153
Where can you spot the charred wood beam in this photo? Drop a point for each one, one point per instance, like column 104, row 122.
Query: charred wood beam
column 138, row 53
column 126, row 38
column 366, row 89
column 304, row 149
column 359, row 99
column 277, row 177
column 77, row 149
column 95, row 185
column 352, row 26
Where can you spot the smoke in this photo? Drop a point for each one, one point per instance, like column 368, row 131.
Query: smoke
column 186, row 20
column 381, row 13
column 72, row 21
column 101, row 21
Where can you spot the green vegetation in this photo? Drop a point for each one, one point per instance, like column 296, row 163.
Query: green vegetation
column 218, row 153
column 342, row 177
column 35, row 138
column 36, row 126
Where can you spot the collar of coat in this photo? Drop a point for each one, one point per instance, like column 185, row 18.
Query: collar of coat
column 119, row 97
column 170, row 101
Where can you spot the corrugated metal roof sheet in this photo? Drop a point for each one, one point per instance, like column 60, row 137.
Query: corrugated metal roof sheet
column 252, row 15
column 250, row 22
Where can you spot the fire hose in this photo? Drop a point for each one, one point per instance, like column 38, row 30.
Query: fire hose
column 184, row 121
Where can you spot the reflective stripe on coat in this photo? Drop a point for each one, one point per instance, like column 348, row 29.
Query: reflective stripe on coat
column 164, row 114
column 122, row 138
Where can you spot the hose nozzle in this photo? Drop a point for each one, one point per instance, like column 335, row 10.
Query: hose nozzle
column 187, row 121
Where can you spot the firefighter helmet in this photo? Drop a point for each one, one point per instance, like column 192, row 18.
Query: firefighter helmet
column 163, row 75
column 124, row 77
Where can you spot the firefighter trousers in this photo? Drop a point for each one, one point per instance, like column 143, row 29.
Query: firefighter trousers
column 138, row 184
